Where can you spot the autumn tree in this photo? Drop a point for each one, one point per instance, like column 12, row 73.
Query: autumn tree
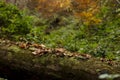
column 51, row 7
column 85, row 10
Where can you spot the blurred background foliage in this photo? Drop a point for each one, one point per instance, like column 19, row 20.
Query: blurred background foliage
column 84, row 26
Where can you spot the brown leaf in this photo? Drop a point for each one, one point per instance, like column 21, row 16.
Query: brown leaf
column 23, row 45
column 68, row 54
column 35, row 45
column 88, row 56
column 60, row 50
column 42, row 46
column 37, row 51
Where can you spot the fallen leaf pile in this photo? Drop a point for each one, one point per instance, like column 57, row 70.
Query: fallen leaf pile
column 40, row 49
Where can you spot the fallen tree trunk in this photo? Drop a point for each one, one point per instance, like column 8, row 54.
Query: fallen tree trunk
column 20, row 64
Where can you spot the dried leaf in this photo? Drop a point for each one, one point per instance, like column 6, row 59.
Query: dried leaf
column 60, row 50
column 23, row 45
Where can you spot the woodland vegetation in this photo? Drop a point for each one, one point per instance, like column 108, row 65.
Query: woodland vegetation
column 79, row 32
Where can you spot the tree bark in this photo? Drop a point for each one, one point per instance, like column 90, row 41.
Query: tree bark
column 19, row 64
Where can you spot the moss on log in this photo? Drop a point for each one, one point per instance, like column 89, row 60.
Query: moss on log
column 20, row 64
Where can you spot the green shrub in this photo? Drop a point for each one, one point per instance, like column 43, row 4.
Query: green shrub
column 14, row 21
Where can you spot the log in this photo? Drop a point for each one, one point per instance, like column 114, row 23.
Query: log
column 21, row 64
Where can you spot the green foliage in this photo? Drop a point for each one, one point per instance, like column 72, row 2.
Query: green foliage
column 14, row 21
column 100, row 40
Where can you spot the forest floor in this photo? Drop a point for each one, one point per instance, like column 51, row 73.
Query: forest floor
column 56, row 62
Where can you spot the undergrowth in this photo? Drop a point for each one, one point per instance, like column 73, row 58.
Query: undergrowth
column 100, row 40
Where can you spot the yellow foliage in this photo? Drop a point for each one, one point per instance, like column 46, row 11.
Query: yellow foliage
column 49, row 7
column 92, row 21
column 85, row 10
column 87, row 18
column 86, row 14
